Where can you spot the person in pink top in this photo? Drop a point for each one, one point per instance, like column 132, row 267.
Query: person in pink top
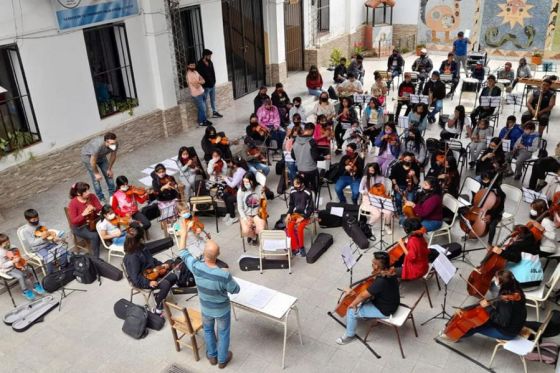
column 323, row 134
column 195, row 82
column 269, row 118
column 126, row 204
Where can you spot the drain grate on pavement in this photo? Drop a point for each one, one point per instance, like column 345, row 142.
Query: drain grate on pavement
column 174, row 368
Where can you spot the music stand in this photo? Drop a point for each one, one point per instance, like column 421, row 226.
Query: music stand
column 465, row 238
column 490, row 101
column 445, row 270
column 530, row 195
column 416, row 99
column 347, row 254
column 386, row 205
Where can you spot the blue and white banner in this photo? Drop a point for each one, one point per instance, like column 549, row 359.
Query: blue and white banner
column 71, row 14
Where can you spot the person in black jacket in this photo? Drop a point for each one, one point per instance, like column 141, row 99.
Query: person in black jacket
column 480, row 111
column 340, row 71
column 255, row 131
column 205, row 68
column 209, row 143
column 346, row 115
column 435, row 89
column 449, row 66
column 300, row 209
column 350, row 171
column 493, row 158
column 508, row 314
column 281, row 100
column 498, row 210
column 406, row 88
column 395, row 65
column 137, row 259
column 260, row 98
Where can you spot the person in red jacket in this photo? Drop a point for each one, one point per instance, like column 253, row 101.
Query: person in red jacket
column 429, row 205
column 414, row 263
column 126, row 204
column 314, row 82
column 83, row 207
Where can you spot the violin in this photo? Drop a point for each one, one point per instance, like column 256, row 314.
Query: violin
column 359, row 287
column 218, row 166
column 156, row 272
column 196, row 225
column 470, row 317
column 295, row 216
column 41, row 230
column 396, row 251
column 263, row 205
column 408, row 210
column 119, row 221
column 484, row 201
column 326, row 131
column 378, row 189
column 257, row 153
column 136, row 191
column 91, row 219
column 222, row 140
column 167, row 180
column 351, row 164
column 481, row 277
column 16, row 258
column 260, row 130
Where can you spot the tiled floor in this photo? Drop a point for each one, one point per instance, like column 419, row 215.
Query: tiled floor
column 85, row 336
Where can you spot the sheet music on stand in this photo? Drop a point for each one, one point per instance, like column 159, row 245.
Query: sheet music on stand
column 403, row 122
column 381, row 203
column 445, row 269
column 490, row 101
column 348, row 257
column 346, row 125
column 530, row 195
column 514, row 98
column 414, row 99
column 361, row 99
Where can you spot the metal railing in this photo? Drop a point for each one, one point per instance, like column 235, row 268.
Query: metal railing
column 405, row 43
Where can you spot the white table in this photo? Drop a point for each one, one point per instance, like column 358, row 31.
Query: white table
column 267, row 303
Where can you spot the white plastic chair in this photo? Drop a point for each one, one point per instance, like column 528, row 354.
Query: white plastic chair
column 453, row 205
column 521, row 345
column 112, row 249
column 514, row 196
column 274, row 243
column 33, row 258
column 536, row 298
column 470, row 187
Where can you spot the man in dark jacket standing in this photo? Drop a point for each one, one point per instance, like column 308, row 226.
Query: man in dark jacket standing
column 306, row 154
column 395, row 65
column 205, row 68
column 435, row 89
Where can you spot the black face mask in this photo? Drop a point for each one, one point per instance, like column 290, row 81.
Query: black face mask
column 407, row 164
column 34, row 223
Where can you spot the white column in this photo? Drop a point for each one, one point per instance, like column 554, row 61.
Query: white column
column 274, row 30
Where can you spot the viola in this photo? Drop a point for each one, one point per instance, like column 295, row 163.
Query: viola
column 472, row 316
column 263, row 213
column 536, row 229
column 396, row 251
column 378, row 189
column 257, row 153
column 16, row 258
column 360, row 286
column 91, row 219
column 481, row 277
column 484, row 201
column 407, row 210
column 136, row 191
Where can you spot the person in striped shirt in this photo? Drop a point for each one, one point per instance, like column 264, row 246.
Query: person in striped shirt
column 214, row 284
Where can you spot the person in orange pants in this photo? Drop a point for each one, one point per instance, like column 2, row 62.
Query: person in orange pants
column 300, row 209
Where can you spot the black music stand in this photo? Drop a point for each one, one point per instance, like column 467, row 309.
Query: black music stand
column 445, row 270
column 347, row 254
column 386, row 205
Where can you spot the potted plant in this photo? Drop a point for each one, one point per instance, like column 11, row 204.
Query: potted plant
column 334, row 59
column 419, row 47
column 536, row 58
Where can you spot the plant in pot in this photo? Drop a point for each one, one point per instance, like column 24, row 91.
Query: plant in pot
column 419, row 47
column 536, row 57
column 336, row 55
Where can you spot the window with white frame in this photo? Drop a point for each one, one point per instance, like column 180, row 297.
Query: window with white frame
column 323, row 16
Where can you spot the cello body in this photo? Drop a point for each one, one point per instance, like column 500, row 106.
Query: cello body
column 482, row 278
column 362, row 285
column 464, row 321
column 476, row 214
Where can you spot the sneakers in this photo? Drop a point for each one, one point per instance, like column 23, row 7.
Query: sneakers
column 226, row 218
column 208, row 123
column 300, row 252
column 158, row 311
column 39, row 289
column 225, row 363
column 203, row 124
column 253, row 241
column 28, row 294
column 229, row 220
column 344, row 340
column 217, row 115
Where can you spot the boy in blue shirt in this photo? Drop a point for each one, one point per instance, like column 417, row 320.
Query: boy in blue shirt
column 460, row 51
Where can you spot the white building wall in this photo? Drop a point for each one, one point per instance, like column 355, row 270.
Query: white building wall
column 406, row 12
column 345, row 18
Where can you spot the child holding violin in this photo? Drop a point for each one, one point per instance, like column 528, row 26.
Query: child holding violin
column 126, row 199
column 213, row 140
column 323, row 134
column 249, row 197
column 138, row 259
column 429, row 205
column 405, row 176
column 300, row 209
column 109, row 226
column 373, row 184
column 255, row 131
column 507, row 313
column 166, row 191
column 83, row 210
column 12, row 264
column 378, row 301
column 190, row 168
column 217, row 167
column 389, row 146
column 195, row 241
column 414, row 262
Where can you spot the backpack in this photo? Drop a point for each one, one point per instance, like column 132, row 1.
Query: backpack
column 84, row 269
column 135, row 322
column 549, row 353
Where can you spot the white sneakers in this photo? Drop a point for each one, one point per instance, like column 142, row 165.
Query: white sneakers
column 229, row 220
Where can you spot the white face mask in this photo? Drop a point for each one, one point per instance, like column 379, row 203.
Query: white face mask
column 247, row 185
column 124, row 188
column 533, row 213
column 111, row 216
column 113, row 147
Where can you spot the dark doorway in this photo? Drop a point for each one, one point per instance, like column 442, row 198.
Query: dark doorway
column 243, row 31
column 293, row 30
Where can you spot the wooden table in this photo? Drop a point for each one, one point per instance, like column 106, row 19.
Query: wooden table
column 268, row 303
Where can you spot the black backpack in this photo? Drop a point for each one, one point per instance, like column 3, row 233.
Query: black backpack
column 84, row 269
column 56, row 280
column 135, row 322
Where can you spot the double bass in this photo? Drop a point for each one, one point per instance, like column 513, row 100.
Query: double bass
column 484, row 201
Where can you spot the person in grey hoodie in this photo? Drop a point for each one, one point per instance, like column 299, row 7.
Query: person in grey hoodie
column 306, row 154
column 249, row 198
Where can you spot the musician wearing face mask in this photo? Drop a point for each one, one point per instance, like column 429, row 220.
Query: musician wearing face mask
column 435, row 90
column 190, row 168
column 83, row 210
column 547, row 103
column 42, row 243
column 389, row 146
column 523, row 149
column 547, row 222
column 94, row 157
column 248, row 205
column 495, row 214
column 405, row 176
column 110, row 229
column 414, row 263
column 324, row 107
column 373, row 185
column 125, row 204
column 492, row 159
column 429, row 205
column 300, row 209
column 255, row 131
column 380, row 300
column 438, row 165
column 414, row 143
column 350, row 172
column 166, row 191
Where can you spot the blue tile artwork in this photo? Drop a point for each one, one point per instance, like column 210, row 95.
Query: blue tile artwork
column 515, row 24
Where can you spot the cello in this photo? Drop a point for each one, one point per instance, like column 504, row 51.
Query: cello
column 484, row 201
column 396, row 251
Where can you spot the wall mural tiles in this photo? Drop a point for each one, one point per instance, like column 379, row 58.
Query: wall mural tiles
column 552, row 43
column 513, row 25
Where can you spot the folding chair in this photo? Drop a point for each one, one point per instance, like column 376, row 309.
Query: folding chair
column 33, row 258
column 537, row 298
column 8, row 282
column 514, row 196
column 468, row 190
column 187, row 323
column 453, row 205
column 112, row 249
column 147, row 293
column 274, row 243
column 204, row 204
column 397, row 320
column 522, row 344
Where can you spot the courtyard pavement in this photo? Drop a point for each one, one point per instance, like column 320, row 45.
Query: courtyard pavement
column 86, row 336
